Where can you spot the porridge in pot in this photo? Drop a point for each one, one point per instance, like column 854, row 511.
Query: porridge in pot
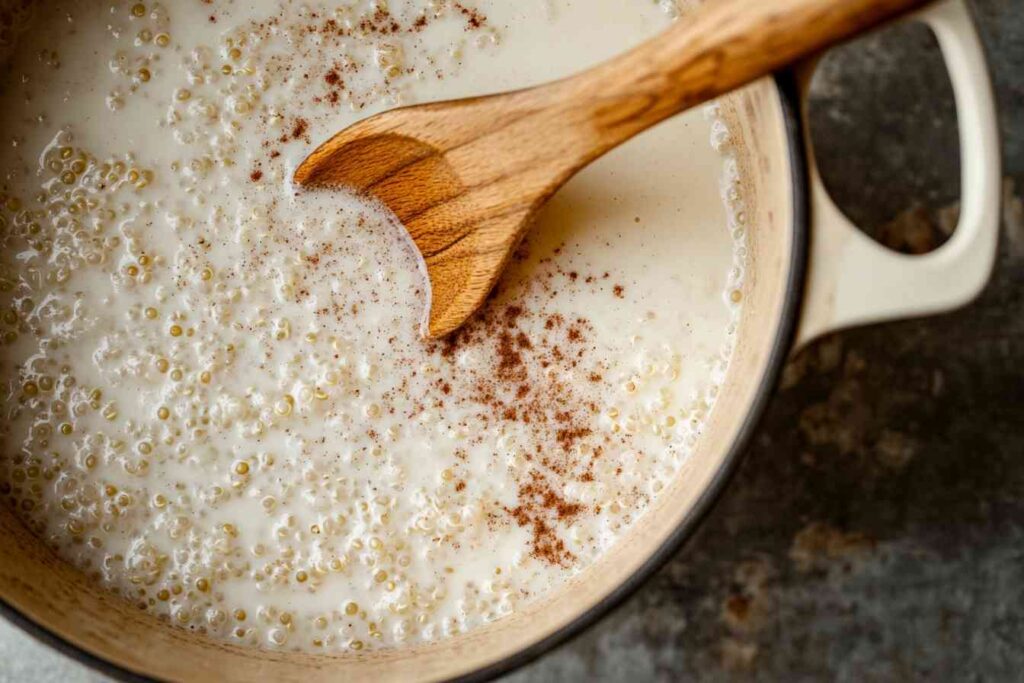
column 215, row 398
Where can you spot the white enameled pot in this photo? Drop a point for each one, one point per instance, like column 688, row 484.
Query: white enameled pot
column 809, row 272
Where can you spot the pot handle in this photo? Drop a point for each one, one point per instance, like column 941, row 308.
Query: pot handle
column 853, row 280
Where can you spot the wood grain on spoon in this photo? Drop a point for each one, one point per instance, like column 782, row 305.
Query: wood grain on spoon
column 466, row 177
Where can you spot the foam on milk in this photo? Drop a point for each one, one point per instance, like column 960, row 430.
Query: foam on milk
column 216, row 401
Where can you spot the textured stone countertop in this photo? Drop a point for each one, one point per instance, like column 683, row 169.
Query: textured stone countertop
column 876, row 527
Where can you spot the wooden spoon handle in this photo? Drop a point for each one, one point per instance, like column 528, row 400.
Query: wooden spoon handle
column 722, row 45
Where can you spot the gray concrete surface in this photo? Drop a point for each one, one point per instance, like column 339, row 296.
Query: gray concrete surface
column 876, row 528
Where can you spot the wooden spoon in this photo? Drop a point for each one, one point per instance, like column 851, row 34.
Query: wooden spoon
column 466, row 177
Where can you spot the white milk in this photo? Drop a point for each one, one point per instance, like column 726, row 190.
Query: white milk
column 215, row 400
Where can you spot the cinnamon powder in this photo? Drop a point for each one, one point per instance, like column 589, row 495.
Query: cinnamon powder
column 540, row 375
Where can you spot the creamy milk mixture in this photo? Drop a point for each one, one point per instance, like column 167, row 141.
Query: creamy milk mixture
column 215, row 399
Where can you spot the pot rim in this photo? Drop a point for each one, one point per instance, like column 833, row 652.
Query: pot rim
column 789, row 99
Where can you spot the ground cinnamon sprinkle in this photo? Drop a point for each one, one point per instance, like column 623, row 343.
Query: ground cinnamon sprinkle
column 474, row 19
column 510, row 363
column 518, row 383
column 538, row 373
column 540, row 509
